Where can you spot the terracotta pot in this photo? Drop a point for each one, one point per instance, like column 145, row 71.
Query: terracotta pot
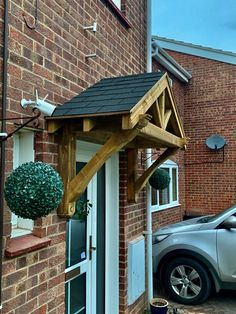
column 158, row 306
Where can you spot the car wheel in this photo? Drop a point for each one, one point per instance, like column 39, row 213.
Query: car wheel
column 187, row 281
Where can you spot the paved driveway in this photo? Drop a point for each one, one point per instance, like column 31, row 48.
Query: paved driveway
column 223, row 302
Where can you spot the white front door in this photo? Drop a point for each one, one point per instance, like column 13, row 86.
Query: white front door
column 93, row 242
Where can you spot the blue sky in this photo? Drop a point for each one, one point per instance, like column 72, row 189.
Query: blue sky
column 210, row 23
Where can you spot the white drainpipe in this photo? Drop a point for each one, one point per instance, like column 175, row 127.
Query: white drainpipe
column 148, row 154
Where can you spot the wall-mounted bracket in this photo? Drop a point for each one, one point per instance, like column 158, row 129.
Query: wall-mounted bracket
column 92, row 27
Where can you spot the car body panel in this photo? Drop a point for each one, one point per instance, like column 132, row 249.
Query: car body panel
column 205, row 239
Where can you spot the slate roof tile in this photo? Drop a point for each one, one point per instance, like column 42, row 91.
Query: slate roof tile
column 110, row 95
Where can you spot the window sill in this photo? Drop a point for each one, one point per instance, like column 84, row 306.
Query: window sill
column 19, row 232
column 117, row 13
column 160, row 208
column 22, row 245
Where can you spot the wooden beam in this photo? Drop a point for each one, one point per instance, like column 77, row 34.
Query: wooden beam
column 154, row 133
column 132, row 172
column 53, row 125
column 142, row 181
column 159, row 115
column 167, row 118
column 117, row 141
column 88, row 124
column 128, row 122
column 67, row 169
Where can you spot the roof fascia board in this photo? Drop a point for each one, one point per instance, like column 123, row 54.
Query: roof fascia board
column 204, row 52
column 170, row 64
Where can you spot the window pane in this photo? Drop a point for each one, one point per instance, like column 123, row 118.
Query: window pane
column 174, row 184
column 154, row 196
column 76, row 295
column 164, row 195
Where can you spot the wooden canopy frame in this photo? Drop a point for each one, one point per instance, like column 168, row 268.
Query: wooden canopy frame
column 152, row 123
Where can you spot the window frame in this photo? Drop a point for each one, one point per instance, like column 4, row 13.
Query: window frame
column 117, row 12
column 169, row 164
column 25, row 137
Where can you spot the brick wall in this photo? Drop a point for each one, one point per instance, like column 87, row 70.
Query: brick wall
column 52, row 58
column 209, row 109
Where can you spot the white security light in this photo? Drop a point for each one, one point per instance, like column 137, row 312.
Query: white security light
column 45, row 107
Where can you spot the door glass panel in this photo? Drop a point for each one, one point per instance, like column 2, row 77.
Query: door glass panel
column 76, row 239
column 76, row 295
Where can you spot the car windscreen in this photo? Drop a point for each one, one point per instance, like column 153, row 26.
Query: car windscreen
column 217, row 216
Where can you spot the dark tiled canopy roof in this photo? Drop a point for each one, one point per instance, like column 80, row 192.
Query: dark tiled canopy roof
column 109, row 96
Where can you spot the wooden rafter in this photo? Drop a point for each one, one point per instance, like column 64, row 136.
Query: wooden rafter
column 129, row 121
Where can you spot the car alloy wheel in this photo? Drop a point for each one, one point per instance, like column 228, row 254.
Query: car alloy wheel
column 187, row 281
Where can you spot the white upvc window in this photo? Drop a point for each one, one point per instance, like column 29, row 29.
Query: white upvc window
column 23, row 151
column 117, row 3
column 168, row 197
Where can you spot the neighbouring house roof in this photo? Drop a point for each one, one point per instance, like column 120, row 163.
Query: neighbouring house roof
column 134, row 111
column 109, row 96
column 169, row 63
column 196, row 50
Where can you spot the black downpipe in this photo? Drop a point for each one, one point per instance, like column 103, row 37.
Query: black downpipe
column 3, row 129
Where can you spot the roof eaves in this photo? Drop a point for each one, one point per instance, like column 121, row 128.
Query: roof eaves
column 196, row 50
column 169, row 63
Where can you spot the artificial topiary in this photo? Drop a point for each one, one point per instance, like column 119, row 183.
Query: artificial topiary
column 33, row 190
column 160, row 179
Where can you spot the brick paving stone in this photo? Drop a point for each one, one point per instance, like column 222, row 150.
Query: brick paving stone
column 223, row 302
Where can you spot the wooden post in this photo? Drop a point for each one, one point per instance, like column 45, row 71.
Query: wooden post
column 67, row 168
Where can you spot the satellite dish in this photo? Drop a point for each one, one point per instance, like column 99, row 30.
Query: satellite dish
column 215, row 142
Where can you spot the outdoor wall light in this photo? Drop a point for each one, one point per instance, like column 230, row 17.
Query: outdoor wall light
column 43, row 106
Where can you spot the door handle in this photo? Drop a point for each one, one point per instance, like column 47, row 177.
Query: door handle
column 91, row 248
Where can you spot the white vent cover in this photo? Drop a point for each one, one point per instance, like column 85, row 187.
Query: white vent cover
column 136, row 269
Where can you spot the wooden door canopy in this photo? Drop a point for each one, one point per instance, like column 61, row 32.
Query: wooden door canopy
column 133, row 112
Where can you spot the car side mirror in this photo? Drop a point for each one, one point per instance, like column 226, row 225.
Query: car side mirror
column 229, row 222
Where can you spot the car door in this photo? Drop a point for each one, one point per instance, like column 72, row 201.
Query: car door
column 226, row 244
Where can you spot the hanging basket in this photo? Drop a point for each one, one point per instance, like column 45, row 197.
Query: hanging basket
column 160, row 179
column 33, row 190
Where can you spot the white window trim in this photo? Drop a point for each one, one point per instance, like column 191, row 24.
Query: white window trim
column 167, row 164
column 23, row 151
column 117, row 3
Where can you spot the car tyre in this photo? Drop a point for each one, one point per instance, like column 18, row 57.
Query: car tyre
column 187, row 281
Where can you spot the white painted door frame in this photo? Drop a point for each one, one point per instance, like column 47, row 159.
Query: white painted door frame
column 84, row 152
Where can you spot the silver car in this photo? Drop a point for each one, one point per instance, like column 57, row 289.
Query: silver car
column 196, row 256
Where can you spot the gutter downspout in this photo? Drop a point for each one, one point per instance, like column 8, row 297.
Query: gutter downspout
column 3, row 130
column 148, row 153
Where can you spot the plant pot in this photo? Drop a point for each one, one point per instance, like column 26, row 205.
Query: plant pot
column 158, row 306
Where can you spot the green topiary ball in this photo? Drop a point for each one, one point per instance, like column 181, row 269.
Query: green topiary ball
column 160, row 179
column 33, row 190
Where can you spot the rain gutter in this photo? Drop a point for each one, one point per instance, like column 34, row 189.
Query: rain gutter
column 148, row 153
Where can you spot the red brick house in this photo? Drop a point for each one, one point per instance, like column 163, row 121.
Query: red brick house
column 63, row 49
column 203, row 81
column 56, row 264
